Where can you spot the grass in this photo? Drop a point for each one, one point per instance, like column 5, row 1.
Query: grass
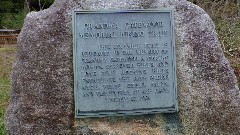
column 225, row 14
column 229, row 35
column 7, row 56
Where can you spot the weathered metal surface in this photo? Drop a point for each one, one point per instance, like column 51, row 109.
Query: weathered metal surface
column 124, row 62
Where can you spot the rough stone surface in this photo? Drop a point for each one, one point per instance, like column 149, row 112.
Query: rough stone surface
column 42, row 79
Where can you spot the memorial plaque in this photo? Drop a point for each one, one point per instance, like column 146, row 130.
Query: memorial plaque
column 124, row 62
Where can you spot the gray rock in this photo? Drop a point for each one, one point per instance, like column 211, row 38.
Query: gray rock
column 42, row 79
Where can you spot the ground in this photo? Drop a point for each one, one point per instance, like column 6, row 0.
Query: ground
column 7, row 56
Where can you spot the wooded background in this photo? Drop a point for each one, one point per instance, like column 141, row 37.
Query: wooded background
column 13, row 12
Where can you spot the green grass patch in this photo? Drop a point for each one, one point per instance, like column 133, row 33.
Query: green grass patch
column 7, row 56
column 4, row 99
column 229, row 35
column 7, row 49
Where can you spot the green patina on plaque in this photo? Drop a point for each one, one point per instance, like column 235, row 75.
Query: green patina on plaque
column 124, row 62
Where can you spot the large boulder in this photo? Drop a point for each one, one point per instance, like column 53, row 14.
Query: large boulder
column 42, row 99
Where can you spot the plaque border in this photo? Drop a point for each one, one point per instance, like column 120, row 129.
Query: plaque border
column 139, row 111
